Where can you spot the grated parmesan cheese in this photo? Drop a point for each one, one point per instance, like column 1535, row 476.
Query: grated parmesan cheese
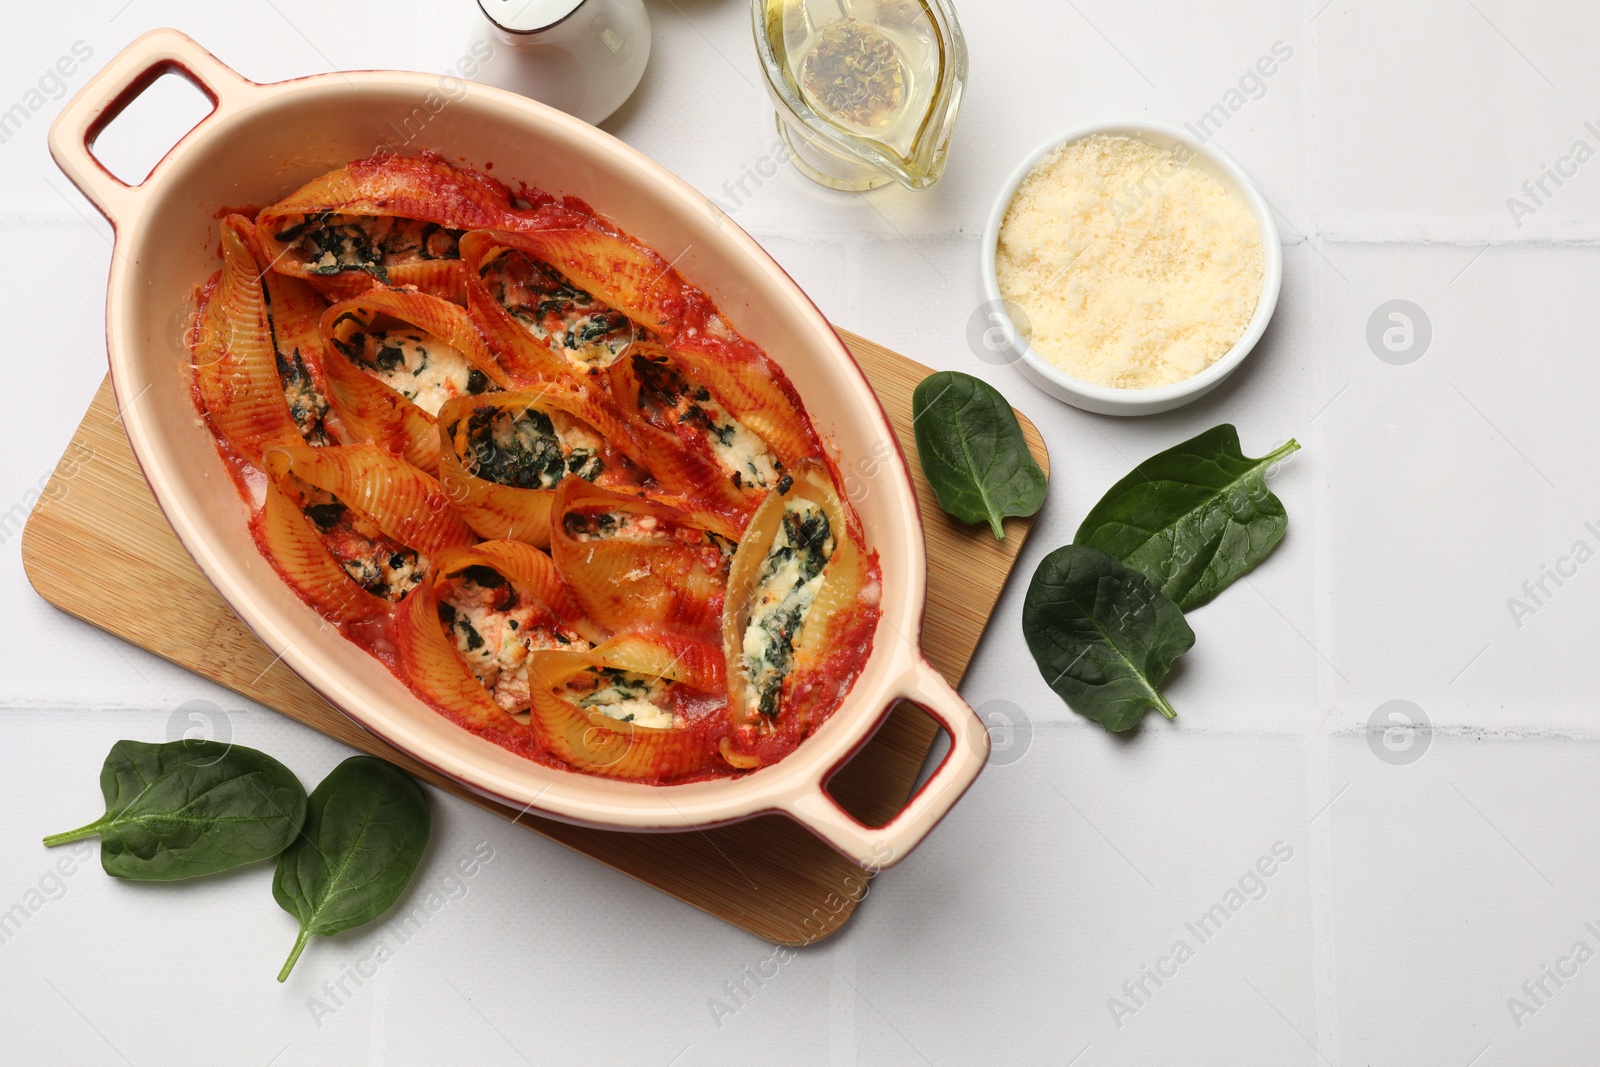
column 1133, row 269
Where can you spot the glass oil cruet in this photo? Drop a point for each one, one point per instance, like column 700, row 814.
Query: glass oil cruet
column 866, row 91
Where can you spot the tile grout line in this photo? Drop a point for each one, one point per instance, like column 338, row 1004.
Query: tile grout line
column 1319, row 747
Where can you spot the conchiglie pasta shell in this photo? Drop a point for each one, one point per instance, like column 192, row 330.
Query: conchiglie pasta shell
column 503, row 511
column 287, row 538
column 532, row 573
column 491, row 509
column 527, row 359
column 370, row 409
column 842, row 581
column 694, row 663
column 743, row 574
column 615, row 270
column 404, row 187
column 845, row 574
column 594, row 742
column 682, row 462
column 445, row 279
column 235, row 365
column 337, row 287
column 754, row 391
column 370, row 412
column 431, row 314
column 296, row 317
column 427, row 190
column 630, row 586
column 406, row 504
column 432, row 666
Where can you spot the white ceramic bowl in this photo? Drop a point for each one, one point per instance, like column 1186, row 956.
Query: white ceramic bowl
column 263, row 141
column 1105, row 399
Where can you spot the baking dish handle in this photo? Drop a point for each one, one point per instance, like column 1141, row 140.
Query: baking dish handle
column 130, row 73
column 876, row 848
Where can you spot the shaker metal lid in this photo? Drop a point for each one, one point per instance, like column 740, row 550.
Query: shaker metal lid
column 528, row 16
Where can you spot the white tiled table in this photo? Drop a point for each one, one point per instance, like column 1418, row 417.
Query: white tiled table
column 1416, row 898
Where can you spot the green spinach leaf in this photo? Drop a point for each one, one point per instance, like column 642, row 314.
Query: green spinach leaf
column 365, row 832
column 1193, row 518
column 1103, row 635
column 973, row 452
column 191, row 807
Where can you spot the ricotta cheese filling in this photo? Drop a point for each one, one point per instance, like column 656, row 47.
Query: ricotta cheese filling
column 328, row 242
column 785, row 589
column 531, row 449
column 419, row 366
column 557, row 312
column 624, row 696
column 670, row 400
column 494, row 629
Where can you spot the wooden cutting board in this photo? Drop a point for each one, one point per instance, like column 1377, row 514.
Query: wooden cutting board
column 97, row 540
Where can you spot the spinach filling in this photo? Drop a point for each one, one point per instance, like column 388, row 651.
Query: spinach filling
column 553, row 309
column 504, row 598
column 662, row 389
column 595, row 328
column 325, row 516
column 581, row 527
column 331, row 248
column 425, row 369
column 330, row 243
column 788, row 585
column 669, row 399
column 613, row 684
column 376, row 562
column 455, row 621
column 523, row 450
column 624, row 696
column 307, row 406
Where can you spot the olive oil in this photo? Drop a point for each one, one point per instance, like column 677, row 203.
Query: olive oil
column 870, row 86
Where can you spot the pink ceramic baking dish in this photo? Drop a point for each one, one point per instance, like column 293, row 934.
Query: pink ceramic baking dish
column 261, row 141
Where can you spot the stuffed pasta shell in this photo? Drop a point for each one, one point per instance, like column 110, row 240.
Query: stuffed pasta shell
column 378, row 519
column 389, row 220
column 637, row 564
column 796, row 587
column 647, row 707
column 502, row 455
column 547, row 326
column 466, row 632
column 235, row 366
column 698, row 442
column 404, row 354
